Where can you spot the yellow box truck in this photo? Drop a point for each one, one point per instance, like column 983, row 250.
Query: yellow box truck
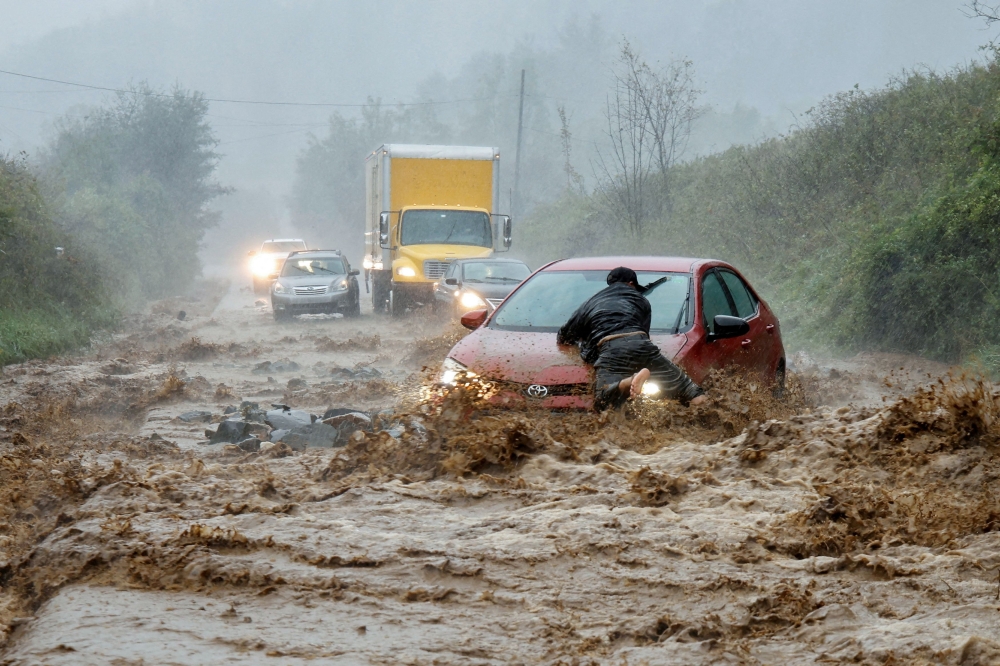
column 425, row 207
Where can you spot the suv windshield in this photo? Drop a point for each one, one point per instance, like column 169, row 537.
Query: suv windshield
column 495, row 272
column 546, row 301
column 446, row 227
column 283, row 246
column 318, row 266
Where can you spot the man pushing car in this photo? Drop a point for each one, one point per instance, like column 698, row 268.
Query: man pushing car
column 612, row 330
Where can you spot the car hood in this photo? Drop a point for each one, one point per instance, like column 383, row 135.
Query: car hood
column 534, row 358
column 312, row 279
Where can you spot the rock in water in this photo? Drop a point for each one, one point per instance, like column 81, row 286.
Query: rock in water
column 229, row 431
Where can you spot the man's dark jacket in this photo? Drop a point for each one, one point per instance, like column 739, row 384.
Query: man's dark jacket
column 619, row 308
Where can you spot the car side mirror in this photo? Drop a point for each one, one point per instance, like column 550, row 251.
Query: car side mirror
column 354, row 271
column 451, row 282
column 728, row 327
column 474, row 319
column 252, row 253
column 383, row 229
column 506, row 232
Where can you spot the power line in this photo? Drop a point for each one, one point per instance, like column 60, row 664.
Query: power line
column 240, row 101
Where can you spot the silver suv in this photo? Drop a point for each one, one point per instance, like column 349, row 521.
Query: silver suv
column 315, row 282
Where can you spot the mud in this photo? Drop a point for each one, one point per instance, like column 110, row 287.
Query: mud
column 853, row 519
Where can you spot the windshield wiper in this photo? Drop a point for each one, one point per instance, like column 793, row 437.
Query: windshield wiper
column 503, row 279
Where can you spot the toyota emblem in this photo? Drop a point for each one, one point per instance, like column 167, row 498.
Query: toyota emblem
column 537, row 391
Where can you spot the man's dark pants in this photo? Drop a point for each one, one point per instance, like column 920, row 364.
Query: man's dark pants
column 623, row 357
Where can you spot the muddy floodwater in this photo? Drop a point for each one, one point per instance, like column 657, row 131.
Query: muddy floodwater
column 854, row 520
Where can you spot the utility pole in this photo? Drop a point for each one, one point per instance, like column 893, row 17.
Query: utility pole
column 517, row 156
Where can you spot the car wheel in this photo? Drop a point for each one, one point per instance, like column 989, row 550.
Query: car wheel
column 779, row 381
column 354, row 310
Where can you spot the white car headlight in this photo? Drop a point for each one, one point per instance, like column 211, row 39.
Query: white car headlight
column 650, row 388
column 406, row 271
column 279, row 288
column 341, row 286
column 263, row 266
column 471, row 300
column 450, row 369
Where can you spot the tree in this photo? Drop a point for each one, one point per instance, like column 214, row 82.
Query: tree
column 649, row 117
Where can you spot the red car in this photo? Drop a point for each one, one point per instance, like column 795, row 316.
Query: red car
column 705, row 316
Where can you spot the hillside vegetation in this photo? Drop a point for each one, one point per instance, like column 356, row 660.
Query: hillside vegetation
column 873, row 226
column 123, row 192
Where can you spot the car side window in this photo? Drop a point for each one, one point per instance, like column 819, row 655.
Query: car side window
column 713, row 300
column 746, row 304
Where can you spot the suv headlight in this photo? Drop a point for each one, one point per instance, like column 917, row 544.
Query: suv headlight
column 341, row 285
column 279, row 288
column 451, row 369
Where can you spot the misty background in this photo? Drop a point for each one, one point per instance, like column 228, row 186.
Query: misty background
column 760, row 67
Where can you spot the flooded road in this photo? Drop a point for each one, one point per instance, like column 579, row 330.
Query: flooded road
column 855, row 521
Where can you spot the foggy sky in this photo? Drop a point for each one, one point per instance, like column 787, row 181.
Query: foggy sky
column 779, row 57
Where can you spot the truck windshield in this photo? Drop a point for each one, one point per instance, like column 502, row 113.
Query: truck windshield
column 446, row 227
column 546, row 301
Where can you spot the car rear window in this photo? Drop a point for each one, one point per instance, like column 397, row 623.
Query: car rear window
column 546, row 301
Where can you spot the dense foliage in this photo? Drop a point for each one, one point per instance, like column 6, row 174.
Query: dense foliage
column 131, row 181
column 873, row 226
column 49, row 300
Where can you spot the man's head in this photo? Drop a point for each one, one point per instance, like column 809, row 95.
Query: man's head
column 623, row 274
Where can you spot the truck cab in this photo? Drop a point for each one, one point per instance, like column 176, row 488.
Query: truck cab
column 426, row 207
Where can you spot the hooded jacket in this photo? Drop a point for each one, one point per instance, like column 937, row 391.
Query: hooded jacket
column 618, row 308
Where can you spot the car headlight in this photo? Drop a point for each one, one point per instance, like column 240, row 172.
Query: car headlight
column 262, row 266
column 341, row 286
column 650, row 388
column 450, row 369
column 406, row 271
column 471, row 300
column 279, row 288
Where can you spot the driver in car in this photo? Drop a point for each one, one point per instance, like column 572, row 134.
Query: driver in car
column 612, row 331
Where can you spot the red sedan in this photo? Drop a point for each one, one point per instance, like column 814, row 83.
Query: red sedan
column 705, row 316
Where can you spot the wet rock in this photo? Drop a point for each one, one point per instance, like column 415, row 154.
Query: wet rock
column 119, row 366
column 260, row 302
column 340, row 411
column 296, row 384
column 348, row 423
column 194, row 416
column 251, row 445
column 312, row 436
column 277, row 434
column 287, row 419
column 231, row 431
column 283, row 365
column 182, row 315
column 346, row 374
column 230, row 410
column 251, row 411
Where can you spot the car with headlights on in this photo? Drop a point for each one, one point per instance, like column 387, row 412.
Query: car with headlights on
column 470, row 284
column 705, row 316
column 315, row 282
column 266, row 261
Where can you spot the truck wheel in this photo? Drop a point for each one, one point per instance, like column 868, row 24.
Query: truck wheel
column 397, row 303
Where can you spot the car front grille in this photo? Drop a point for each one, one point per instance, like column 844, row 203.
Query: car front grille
column 311, row 291
column 494, row 302
column 551, row 391
column 434, row 269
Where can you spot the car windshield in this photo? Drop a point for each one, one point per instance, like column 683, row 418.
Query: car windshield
column 313, row 266
column 548, row 300
column 283, row 246
column 495, row 272
column 446, row 227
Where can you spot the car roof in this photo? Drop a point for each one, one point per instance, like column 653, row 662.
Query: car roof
column 337, row 252
column 500, row 260
column 284, row 240
column 646, row 263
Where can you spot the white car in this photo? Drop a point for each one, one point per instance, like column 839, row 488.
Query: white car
column 267, row 261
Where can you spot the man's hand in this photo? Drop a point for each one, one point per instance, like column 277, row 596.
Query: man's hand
column 700, row 400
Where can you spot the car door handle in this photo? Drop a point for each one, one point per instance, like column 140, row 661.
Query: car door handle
column 769, row 328
column 746, row 343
